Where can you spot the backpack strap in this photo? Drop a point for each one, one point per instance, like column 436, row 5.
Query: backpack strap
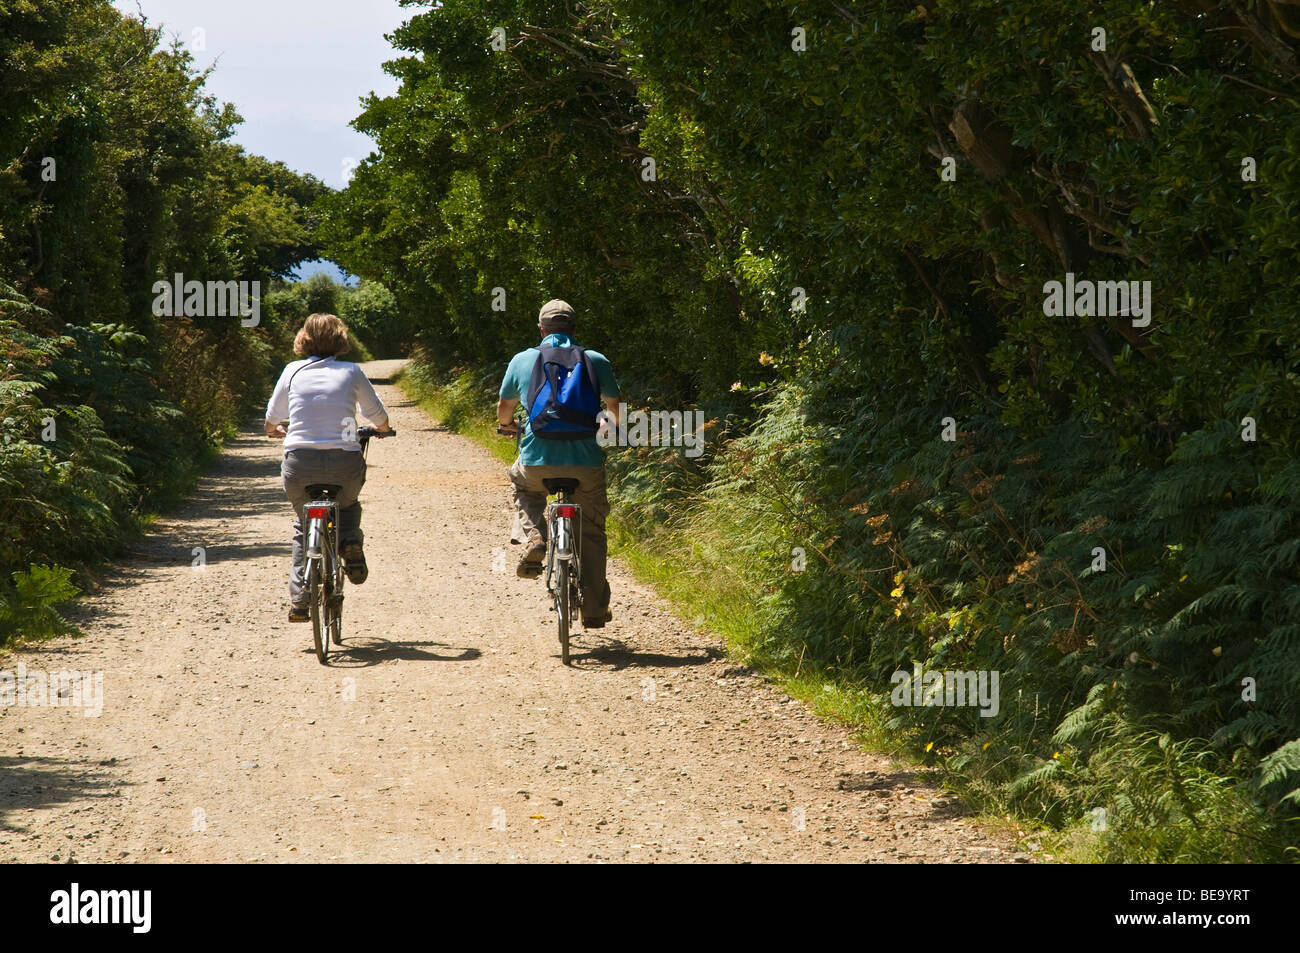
column 311, row 361
column 591, row 372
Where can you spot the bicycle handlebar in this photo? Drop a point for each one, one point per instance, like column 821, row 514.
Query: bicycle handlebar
column 365, row 433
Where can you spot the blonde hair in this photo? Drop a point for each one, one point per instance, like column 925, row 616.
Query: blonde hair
column 322, row 335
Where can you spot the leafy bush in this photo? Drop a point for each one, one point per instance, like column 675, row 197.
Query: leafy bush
column 843, row 252
column 106, row 408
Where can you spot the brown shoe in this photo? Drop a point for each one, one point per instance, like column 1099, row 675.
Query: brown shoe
column 599, row 621
column 530, row 564
column 354, row 563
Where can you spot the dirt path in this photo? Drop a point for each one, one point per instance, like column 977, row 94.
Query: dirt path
column 448, row 730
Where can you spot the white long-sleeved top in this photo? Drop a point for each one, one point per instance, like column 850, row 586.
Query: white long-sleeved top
column 322, row 404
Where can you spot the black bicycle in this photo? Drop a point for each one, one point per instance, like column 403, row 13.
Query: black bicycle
column 323, row 568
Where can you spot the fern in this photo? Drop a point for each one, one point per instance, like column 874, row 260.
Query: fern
column 1080, row 721
column 1280, row 774
column 27, row 606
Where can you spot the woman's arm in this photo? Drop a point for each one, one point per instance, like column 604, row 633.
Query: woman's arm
column 277, row 409
column 369, row 401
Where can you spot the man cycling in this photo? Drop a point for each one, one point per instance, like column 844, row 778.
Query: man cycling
column 580, row 459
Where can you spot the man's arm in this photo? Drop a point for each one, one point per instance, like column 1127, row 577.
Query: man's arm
column 614, row 405
column 508, row 396
column 610, row 392
column 506, row 415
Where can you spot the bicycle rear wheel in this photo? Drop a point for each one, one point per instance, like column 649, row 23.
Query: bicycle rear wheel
column 562, row 609
column 336, row 607
column 319, row 610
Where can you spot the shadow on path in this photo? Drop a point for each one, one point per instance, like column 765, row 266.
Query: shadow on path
column 28, row 782
column 367, row 651
column 615, row 655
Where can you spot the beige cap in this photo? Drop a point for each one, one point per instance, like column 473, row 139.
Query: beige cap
column 556, row 314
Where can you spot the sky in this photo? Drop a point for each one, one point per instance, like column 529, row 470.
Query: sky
column 296, row 70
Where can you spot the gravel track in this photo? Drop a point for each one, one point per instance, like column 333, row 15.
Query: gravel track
column 447, row 729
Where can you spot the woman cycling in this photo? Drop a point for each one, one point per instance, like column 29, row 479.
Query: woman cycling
column 319, row 395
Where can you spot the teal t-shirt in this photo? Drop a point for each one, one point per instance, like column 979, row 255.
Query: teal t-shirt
column 535, row 452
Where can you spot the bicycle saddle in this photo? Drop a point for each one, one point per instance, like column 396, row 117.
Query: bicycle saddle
column 560, row 484
column 326, row 490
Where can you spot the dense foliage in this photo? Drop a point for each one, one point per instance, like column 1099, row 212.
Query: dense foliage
column 116, row 171
column 854, row 211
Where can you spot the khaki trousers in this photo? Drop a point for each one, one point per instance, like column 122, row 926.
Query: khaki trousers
column 530, row 501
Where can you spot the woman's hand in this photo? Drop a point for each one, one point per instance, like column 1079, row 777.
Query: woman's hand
column 277, row 431
column 384, row 428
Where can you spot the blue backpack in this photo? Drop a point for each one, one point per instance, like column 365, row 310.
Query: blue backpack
column 563, row 396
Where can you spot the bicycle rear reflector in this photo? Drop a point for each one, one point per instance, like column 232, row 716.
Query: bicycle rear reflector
column 566, row 511
column 317, row 512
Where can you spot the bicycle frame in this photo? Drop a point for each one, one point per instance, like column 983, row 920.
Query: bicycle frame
column 565, row 533
column 322, row 529
column 323, row 545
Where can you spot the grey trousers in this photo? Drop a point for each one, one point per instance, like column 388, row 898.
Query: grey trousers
column 530, row 500
column 303, row 467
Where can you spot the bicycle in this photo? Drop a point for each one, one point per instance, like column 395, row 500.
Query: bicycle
column 564, row 556
column 563, row 547
column 323, row 568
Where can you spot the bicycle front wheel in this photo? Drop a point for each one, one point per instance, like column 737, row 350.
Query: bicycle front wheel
column 319, row 610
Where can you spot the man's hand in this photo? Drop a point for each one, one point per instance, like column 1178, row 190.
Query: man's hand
column 276, row 430
column 607, row 420
column 506, row 418
column 384, row 428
